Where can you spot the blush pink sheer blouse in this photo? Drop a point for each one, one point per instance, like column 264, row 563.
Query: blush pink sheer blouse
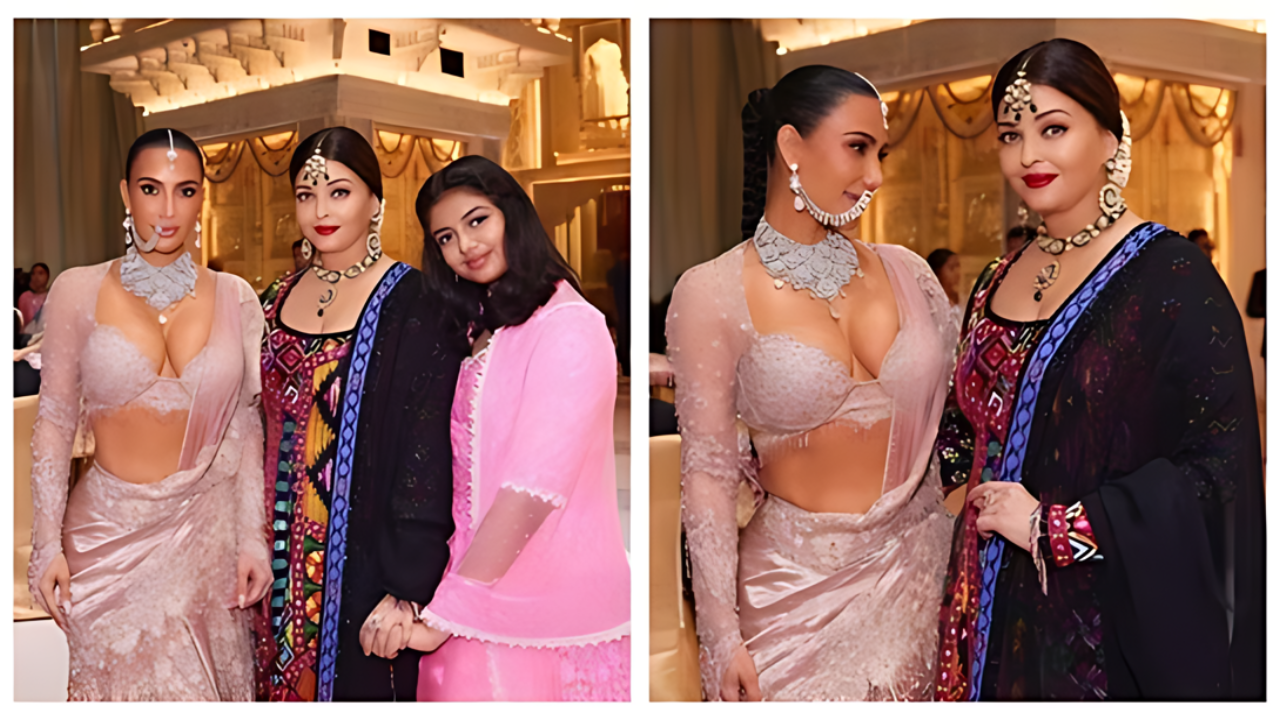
column 533, row 439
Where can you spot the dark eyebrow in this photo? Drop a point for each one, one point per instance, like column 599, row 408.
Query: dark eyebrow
column 304, row 185
column 1050, row 112
column 436, row 233
column 472, row 210
column 1046, row 113
column 870, row 138
column 150, row 179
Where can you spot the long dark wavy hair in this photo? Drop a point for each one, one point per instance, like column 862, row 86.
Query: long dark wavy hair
column 160, row 138
column 1071, row 68
column 344, row 145
column 534, row 266
column 802, row 99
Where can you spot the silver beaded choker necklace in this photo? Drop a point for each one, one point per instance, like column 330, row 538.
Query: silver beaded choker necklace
column 161, row 287
column 822, row 269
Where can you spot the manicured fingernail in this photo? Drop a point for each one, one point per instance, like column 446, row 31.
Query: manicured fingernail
column 241, row 602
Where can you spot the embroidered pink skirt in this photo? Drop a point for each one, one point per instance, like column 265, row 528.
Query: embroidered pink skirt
column 845, row 607
column 152, row 588
column 467, row 670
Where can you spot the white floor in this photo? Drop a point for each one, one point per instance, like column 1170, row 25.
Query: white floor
column 40, row 667
column 41, row 675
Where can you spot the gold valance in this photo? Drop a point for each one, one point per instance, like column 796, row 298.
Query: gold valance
column 904, row 108
column 272, row 153
column 965, row 107
column 395, row 150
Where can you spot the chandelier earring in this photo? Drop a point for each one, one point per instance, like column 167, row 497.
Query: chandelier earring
column 131, row 234
column 830, row 220
column 197, row 233
column 306, row 249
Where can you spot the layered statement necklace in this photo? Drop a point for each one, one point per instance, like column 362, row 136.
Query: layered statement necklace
column 161, row 287
column 1017, row 97
column 823, row 268
column 315, row 170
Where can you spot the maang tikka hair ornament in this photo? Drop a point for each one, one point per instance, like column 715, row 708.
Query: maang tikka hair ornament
column 173, row 153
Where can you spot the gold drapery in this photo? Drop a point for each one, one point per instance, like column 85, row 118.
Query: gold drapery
column 965, row 106
column 1205, row 112
column 271, row 152
column 904, row 108
column 395, row 151
column 1140, row 99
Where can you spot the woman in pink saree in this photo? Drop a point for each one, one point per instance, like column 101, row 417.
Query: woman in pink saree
column 149, row 563
column 535, row 603
column 829, row 358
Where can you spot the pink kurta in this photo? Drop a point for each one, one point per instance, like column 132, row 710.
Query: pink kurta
column 532, row 428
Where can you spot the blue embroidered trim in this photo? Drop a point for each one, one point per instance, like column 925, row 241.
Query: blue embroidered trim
column 1020, row 427
column 335, row 554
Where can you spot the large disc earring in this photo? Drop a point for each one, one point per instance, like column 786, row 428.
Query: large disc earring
column 1120, row 164
column 373, row 243
column 197, row 233
column 306, row 249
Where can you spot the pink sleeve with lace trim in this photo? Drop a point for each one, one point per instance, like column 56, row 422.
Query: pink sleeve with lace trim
column 570, row 384
column 704, row 348
column 68, row 315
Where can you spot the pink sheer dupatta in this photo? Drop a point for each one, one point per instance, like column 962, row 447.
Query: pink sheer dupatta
column 537, row 560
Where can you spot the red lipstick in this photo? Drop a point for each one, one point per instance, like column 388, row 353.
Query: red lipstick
column 1038, row 180
column 327, row 229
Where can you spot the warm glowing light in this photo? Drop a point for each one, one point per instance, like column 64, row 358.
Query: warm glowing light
column 544, row 31
column 971, row 89
column 781, row 50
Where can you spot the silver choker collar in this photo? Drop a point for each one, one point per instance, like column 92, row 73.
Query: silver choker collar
column 822, row 269
column 159, row 286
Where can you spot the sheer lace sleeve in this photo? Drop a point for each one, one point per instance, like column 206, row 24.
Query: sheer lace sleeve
column 247, row 425
column 704, row 349
column 570, row 383
column 68, row 315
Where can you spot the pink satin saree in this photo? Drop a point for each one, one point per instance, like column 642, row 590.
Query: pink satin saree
column 153, row 608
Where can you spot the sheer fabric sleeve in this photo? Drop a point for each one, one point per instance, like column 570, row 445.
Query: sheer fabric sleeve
column 247, row 426
column 704, row 355
column 570, row 383
column 67, row 316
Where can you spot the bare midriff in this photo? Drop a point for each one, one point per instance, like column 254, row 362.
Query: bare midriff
column 837, row 468
column 138, row 445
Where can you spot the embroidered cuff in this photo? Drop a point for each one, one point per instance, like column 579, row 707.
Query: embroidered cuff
column 1068, row 536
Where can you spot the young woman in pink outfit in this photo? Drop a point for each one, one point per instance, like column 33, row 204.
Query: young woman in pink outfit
column 535, row 604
